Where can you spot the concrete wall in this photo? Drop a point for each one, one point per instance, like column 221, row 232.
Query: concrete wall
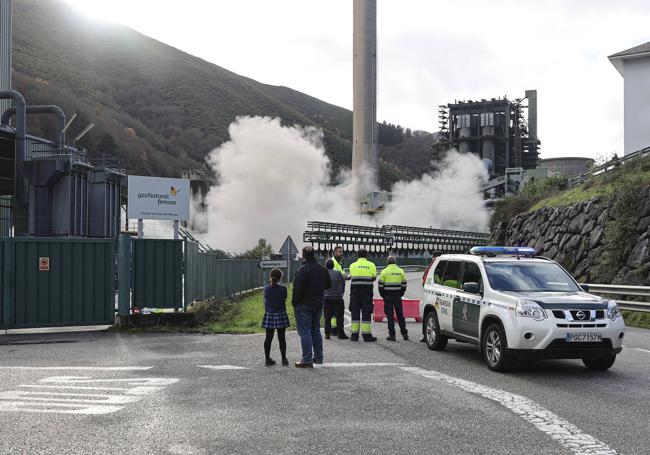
column 637, row 104
column 574, row 236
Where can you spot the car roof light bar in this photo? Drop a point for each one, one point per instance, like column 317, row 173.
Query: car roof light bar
column 503, row 250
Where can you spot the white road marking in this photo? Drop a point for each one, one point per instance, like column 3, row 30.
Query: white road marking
column 91, row 398
column 58, row 408
column 60, row 394
column 80, row 368
column 88, row 379
column 347, row 316
column 138, row 390
column 358, row 365
column 567, row 434
column 642, row 350
column 222, row 367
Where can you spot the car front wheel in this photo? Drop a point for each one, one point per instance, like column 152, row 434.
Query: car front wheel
column 435, row 341
column 494, row 348
column 600, row 363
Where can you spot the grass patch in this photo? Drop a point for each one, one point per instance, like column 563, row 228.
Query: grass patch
column 573, row 196
column 636, row 319
column 552, row 192
column 237, row 316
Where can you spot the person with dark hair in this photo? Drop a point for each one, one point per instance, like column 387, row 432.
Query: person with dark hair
column 362, row 276
column 334, row 307
column 337, row 259
column 275, row 317
column 308, row 288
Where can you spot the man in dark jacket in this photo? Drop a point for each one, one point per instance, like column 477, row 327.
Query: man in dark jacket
column 308, row 287
column 334, row 308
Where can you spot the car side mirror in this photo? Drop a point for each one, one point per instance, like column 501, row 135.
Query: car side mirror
column 584, row 287
column 471, row 288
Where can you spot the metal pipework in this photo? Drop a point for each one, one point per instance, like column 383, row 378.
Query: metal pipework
column 44, row 109
column 21, row 147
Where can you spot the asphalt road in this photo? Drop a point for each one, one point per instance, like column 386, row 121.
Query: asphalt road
column 201, row 394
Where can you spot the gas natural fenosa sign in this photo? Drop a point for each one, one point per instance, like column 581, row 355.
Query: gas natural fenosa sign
column 157, row 198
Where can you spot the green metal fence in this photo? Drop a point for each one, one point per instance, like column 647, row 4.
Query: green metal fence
column 58, row 282
column 157, row 273
column 206, row 276
column 4, row 289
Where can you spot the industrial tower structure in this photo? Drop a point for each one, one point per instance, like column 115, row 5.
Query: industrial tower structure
column 498, row 130
column 364, row 123
column 5, row 51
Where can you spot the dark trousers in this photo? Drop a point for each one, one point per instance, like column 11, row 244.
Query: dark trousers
column 390, row 304
column 361, row 311
column 281, row 340
column 334, row 308
column 308, row 325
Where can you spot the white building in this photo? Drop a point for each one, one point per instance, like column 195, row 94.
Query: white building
column 634, row 66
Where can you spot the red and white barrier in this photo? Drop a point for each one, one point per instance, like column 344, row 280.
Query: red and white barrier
column 411, row 309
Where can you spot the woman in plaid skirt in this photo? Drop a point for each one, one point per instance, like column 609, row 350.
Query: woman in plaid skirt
column 275, row 316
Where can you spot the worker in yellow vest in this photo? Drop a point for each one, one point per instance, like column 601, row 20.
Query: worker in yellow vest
column 337, row 259
column 392, row 286
column 362, row 276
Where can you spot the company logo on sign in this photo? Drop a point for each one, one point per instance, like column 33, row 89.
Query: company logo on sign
column 159, row 198
column 162, row 199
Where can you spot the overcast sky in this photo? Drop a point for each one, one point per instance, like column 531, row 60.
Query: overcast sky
column 429, row 53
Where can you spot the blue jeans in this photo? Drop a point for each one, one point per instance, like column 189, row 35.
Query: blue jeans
column 308, row 324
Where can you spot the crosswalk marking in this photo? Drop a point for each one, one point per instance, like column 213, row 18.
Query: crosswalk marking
column 77, row 368
column 222, row 367
column 80, row 395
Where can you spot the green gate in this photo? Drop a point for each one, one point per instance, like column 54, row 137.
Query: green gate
column 157, row 273
column 207, row 276
column 57, row 282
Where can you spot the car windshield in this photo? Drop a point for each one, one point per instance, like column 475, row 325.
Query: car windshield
column 523, row 276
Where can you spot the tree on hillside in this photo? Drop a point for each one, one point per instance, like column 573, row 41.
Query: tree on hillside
column 261, row 250
column 107, row 145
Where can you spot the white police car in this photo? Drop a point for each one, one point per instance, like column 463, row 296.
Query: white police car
column 516, row 305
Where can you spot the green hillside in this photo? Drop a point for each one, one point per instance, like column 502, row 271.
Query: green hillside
column 157, row 108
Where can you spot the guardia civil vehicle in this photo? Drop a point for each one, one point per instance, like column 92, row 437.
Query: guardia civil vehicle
column 516, row 305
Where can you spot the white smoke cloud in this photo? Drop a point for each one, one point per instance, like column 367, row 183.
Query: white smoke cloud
column 274, row 178
column 448, row 198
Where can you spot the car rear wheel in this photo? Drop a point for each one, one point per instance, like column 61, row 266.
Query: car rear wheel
column 435, row 341
column 600, row 363
column 494, row 347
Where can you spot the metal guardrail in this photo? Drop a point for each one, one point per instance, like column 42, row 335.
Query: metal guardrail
column 607, row 167
column 622, row 290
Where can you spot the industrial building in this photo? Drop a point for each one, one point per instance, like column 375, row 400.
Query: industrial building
column 500, row 130
column 48, row 188
column 634, row 66
column 199, row 185
column 567, row 166
column 403, row 241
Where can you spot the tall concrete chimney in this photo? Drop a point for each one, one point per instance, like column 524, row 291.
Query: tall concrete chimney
column 364, row 123
column 5, row 50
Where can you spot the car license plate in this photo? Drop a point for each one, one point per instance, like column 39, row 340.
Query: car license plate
column 584, row 337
